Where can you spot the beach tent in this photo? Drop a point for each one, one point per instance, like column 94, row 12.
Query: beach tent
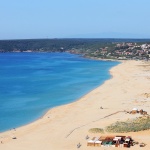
column 134, row 111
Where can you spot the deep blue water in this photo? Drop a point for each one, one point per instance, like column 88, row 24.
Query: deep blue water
column 32, row 83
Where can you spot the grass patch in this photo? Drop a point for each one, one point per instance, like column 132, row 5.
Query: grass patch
column 132, row 125
column 96, row 130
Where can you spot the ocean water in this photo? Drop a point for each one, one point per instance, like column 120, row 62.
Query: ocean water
column 32, row 83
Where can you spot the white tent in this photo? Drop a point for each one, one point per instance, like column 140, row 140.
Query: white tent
column 135, row 109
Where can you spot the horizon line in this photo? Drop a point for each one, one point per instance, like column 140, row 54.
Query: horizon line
column 71, row 38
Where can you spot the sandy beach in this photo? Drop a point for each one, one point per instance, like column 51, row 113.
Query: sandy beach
column 62, row 128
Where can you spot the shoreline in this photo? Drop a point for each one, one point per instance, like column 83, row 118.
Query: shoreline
column 46, row 111
column 56, row 107
column 85, row 113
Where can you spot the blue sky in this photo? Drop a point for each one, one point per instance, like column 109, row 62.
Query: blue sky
column 25, row 19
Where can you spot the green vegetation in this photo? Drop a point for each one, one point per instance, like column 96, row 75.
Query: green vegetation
column 61, row 44
column 95, row 48
column 96, row 130
column 133, row 125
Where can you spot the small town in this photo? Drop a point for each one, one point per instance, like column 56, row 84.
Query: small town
column 129, row 51
column 120, row 51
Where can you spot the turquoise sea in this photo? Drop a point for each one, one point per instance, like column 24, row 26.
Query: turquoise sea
column 32, row 83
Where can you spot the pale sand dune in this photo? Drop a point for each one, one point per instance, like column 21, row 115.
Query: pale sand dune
column 62, row 128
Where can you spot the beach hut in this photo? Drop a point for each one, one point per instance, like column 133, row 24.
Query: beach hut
column 134, row 111
column 144, row 112
column 92, row 141
column 128, row 141
column 116, row 141
column 141, row 111
column 107, row 141
column 98, row 143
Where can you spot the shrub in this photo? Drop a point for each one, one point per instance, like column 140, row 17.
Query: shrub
column 132, row 125
column 96, row 130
